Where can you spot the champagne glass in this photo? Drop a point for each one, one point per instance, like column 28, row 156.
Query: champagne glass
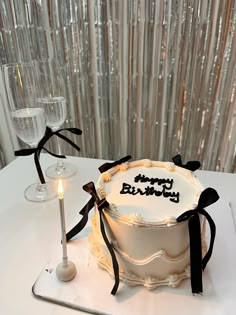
column 51, row 96
column 28, row 121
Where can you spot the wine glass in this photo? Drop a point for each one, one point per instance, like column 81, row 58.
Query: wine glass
column 51, row 96
column 28, row 121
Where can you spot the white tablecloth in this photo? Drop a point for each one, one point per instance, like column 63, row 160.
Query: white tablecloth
column 30, row 237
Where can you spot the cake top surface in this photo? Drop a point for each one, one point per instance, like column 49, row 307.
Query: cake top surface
column 149, row 191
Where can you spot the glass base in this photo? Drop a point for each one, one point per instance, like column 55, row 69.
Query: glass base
column 64, row 170
column 41, row 192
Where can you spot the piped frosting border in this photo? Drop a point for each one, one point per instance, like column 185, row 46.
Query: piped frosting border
column 136, row 219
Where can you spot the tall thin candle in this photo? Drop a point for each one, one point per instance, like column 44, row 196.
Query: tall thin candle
column 63, row 224
column 66, row 270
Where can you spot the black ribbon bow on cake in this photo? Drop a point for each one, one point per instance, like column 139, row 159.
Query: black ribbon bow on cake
column 101, row 204
column 36, row 151
column 197, row 263
column 191, row 165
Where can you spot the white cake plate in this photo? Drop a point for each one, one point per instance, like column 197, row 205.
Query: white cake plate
column 90, row 290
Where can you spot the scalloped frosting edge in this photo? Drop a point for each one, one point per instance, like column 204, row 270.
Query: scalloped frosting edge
column 172, row 280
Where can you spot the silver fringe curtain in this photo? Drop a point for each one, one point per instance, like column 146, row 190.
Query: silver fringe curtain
column 150, row 78
column 2, row 160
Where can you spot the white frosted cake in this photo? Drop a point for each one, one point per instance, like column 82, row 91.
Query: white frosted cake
column 145, row 198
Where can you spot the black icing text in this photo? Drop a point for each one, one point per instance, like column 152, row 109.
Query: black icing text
column 165, row 183
column 168, row 183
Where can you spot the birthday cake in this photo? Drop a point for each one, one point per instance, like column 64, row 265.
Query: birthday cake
column 149, row 224
column 144, row 199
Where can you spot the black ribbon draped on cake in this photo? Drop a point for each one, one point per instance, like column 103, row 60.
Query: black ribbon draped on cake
column 36, row 151
column 90, row 204
column 197, row 263
column 207, row 197
column 101, row 204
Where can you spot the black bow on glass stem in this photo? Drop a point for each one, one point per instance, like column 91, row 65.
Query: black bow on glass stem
column 197, row 263
column 107, row 166
column 191, row 165
column 36, row 151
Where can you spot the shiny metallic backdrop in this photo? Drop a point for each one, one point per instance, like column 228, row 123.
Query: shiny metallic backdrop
column 149, row 78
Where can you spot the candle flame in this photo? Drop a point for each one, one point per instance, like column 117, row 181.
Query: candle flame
column 60, row 190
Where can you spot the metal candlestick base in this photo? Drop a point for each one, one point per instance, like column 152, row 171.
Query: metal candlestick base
column 66, row 271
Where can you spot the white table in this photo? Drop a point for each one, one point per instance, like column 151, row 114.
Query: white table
column 30, row 232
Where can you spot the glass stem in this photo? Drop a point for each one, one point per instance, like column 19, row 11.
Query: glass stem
column 40, row 187
column 60, row 162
